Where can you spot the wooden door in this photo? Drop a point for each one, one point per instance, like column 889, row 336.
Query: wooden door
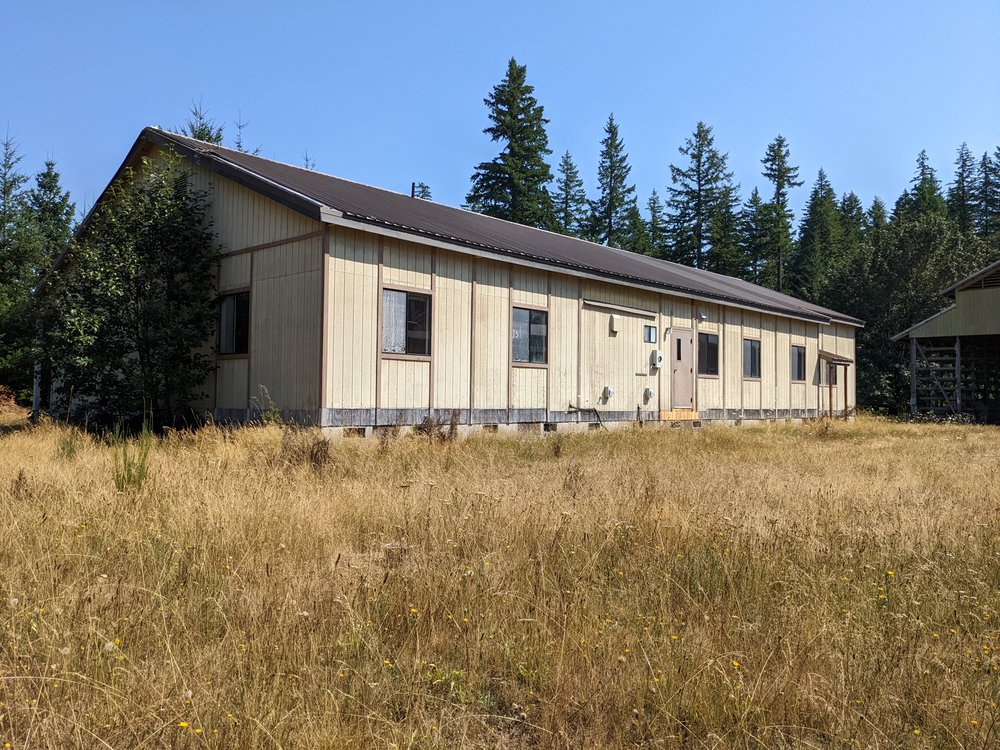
column 682, row 368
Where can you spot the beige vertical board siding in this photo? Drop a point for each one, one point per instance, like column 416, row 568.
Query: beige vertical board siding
column 492, row 334
column 528, row 287
column 406, row 264
column 451, row 320
column 353, row 320
column 797, row 391
column 563, row 342
column 231, row 384
column 812, row 365
column 731, row 365
column 243, row 218
column 234, row 272
column 286, row 324
column 614, row 294
column 782, row 363
column 620, row 360
column 405, row 384
column 752, row 389
column 528, row 388
column 768, row 371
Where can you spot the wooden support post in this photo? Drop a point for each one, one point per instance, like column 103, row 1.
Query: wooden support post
column 830, row 370
column 913, row 377
column 958, row 374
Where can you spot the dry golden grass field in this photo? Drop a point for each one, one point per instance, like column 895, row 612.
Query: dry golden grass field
column 819, row 586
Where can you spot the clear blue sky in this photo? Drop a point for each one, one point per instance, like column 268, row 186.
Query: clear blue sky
column 390, row 92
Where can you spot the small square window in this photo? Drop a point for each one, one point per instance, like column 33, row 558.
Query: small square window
column 708, row 354
column 406, row 323
column 530, row 336
column 649, row 334
column 798, row 364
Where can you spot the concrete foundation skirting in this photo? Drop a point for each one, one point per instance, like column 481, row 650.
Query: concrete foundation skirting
column 363, row 422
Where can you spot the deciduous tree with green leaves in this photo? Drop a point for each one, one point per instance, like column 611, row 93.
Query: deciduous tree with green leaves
column 513, row 185
column 131, row 307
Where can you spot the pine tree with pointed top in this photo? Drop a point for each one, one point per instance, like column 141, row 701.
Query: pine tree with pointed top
column 635, row 237
column 570, row 199
column 422, row 190
column 609, row 214
column 986, row 199
column 778, row 217
column 961, row 192
column 700, row 193
column 657, row 225
column 820, row 242
column 513, row 186
column 753, row 237
column 924, row 197
column 200, row 126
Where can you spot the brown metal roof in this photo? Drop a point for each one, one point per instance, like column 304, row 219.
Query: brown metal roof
column 316, row 194
column 834, row 358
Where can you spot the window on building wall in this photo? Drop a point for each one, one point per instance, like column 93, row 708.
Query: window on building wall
column 798, row 364
column 649, row 334
column 234, row 323
column 708, row 354
column 751, row 358
column 530, row 336
column 406, row 323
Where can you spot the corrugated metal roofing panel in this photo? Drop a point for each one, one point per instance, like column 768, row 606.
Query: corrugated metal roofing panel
column 426, row 218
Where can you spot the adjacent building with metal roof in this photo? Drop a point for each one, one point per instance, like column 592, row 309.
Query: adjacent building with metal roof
column 347, row 305
column 955, row 353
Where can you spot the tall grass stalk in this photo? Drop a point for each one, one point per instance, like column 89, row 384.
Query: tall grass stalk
column 130, row 459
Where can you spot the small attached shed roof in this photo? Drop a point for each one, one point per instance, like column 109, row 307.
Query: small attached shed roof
column 338, row 201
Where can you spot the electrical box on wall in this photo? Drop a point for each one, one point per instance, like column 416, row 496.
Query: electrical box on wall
column 615, row 323
column 656, row 358
column 608, row 392
column 649, row 394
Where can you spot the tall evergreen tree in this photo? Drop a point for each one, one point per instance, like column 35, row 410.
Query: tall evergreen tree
column 53, row 212
column 696, row 195
column 924, row 197
column 725, row 251
column 570, row 198
column 200, row 126
column 820, row 242
column 513, row 185
column 657, row 225
column 20, row 248
column 986, row 200
column 635, row 237
column 753, row 238
column 609, row 214
column 853, row 223
column 961, row 192
column 778, row 218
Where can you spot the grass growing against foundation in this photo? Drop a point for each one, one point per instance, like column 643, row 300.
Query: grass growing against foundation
column 790, row 586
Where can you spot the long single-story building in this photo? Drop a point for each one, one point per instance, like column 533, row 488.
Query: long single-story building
column 955, row 354
column 350, row 306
